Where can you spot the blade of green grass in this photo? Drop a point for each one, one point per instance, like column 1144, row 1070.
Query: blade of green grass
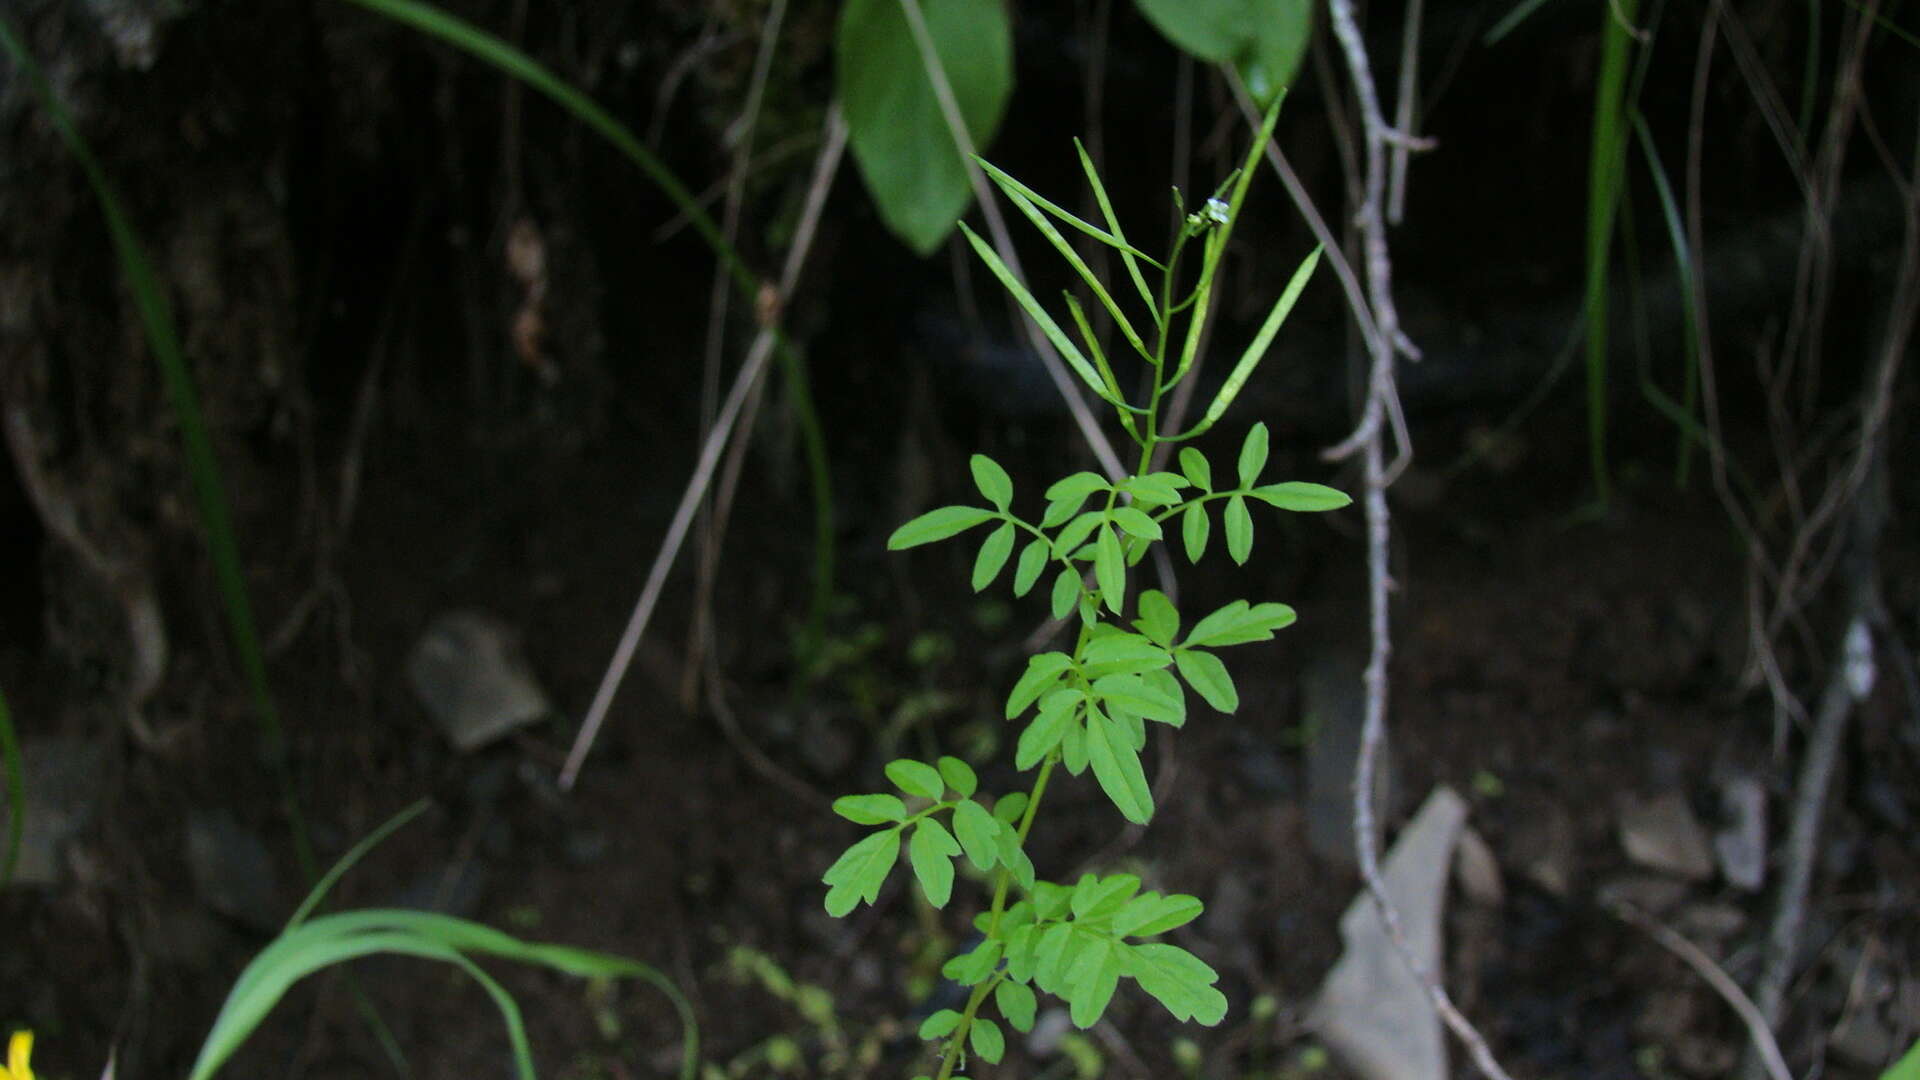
column 334, row 939
column 156, row 318
column 1686, row 266
column 354, row 855
column 1606, row 167
column 16, row 792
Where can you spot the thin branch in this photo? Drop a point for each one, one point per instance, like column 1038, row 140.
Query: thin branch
column 712, row 521
column 1729, row 991
column 1377, row 413
column 826, row 167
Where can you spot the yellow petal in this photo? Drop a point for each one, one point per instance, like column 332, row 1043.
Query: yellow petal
column 18, row 1049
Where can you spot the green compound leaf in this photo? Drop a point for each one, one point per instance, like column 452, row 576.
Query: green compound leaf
column 916, row 778
column 970, row 968
column 1057, row 712
column 1110, row 570
column 1208, row 677
column 1016, row 1003
column 1012, row 856
column 1136, row 523
column 1043, row 670
column 1152, row 913
column 1051, row 901
column 859, row 872
column 987, row 1040
column 1076, row 532
column 993, row 556
column 978, row 833
column 1180, row 981
column 894, row 124
column 1154, row 489
column 870, row 809
column 1253, row 455
column 1239, row 525
column 1067, row 496
column 1133, row 694
column 937, row 525
column 1116, row 764
column 1158, row 620
column 1096, row 896
column 931, row 852
column 1238, row 623
column 992, row 480
column 1092, row 980
column 1051, row 957
column 1194, row 526
column 1302, row 497
column 1073, row 749
column 959, row 776
column 1066, row 592
column 1123, row 653
column 940, row 1024
column 1033, row 559
column 1194, row 464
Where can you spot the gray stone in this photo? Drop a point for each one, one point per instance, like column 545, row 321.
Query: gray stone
column 232, row 870
column 469, row 673
column 1742, row 846
column 63, row 777
column 1478, row 871
column 1372, row 1011
column 1662, row 834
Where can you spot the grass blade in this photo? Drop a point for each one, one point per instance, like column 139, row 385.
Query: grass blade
column 1606, row 169
column 156, row 318
column 354, row 855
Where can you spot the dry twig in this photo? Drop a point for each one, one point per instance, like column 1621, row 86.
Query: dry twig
column 826, row 166
column 1719, row 980
column 1379, row 416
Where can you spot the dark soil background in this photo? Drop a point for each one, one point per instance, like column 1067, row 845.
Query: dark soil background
column 329, row 198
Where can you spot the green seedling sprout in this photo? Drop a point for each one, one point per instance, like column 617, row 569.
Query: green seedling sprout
column 1085, row 709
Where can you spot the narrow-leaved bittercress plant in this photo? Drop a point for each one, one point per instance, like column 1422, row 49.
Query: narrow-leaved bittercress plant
column 1087, row 707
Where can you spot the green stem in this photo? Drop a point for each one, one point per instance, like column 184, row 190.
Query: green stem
column 950, row 1057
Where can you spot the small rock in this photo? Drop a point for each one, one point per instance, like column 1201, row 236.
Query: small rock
column 1051, row 1027
column 1541, row 844
column 453, row 888
column 232, row 870
column 1742, row 845
column 1864, row 1038
column 62, row 776
column 1372, row 1010
column 1662, row 834
column 1653, row 895
column 1477, row 870
column 1710, row 922
column 469, row 673
column 827, row 746
column 1703, row 1055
